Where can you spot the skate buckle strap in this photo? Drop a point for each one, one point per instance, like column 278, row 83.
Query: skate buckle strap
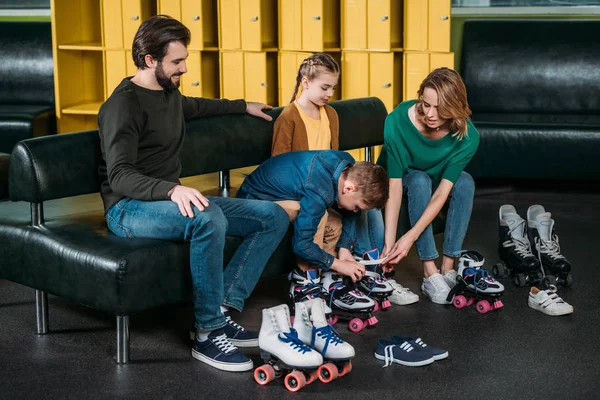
column 328, row 333
column 293, row 340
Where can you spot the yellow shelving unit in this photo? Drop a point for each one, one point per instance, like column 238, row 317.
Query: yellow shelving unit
column 373, row 25
column 309, row 25
column 249, row 75
column 249, row 25
column 417, row 65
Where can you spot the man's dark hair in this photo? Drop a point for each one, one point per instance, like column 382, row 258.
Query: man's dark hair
column 153, row 37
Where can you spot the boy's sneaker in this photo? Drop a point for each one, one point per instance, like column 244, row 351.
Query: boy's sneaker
column 401, row 295
column 237, row 335
column 548, row 302
column 218, row 352
column 402, row 353
column 436, row 288
column 450, row 278
column 436, row 353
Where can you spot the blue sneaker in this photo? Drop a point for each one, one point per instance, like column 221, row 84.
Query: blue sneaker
column 237, row 335
column 403, row 353
column 436, row 353
column 217, row 351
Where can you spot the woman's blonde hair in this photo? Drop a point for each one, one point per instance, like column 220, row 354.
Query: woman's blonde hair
column 452, row 99
column 314, row 65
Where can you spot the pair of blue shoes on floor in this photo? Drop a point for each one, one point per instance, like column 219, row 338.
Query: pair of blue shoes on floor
column 409, row 351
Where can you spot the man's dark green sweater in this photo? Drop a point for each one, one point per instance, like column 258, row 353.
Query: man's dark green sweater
column 141, row 136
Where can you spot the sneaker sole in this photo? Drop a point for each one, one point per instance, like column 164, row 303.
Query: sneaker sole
column 407, row 363
column 541, row 309
column 440, row 356
column 237, row 367
column 443, row 302
column 404, row 303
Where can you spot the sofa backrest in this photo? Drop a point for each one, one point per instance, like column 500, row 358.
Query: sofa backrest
column 65, row 165
column 532, row 67
column 26, row 70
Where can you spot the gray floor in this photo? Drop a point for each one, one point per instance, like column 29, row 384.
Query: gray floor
column 511, row 353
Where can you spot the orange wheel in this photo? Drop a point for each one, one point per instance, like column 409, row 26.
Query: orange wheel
column 346, row 369
column 294, row 381
column 327, row 372
column 264, row 374
column 310, row 378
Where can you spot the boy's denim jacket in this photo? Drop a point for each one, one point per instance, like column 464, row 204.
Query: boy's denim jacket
column 310, row 177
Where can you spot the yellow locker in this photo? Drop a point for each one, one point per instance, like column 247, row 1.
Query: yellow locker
column 384, row 25
column 130, row 65
column 320, row 25
column 354, row 24
column 289, row 62
column 115, row 69
column 232, row 75
column 439, row 26
column 385, row 78
column 355, row 74
column 172, row 8
column 113, row 29
column 417, row 65
column 200, row 16
column 415, row 24
column 77, row 23
column 134, row 13
column 438, row 60
column 258, row 25
column 260, row 77
column 229, row 25
column 290, row 24
column 201, row 80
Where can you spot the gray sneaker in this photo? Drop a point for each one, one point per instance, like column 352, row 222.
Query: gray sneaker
column 450, row 278
column 436, row 288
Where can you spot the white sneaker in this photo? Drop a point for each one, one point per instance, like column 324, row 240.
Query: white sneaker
column 548, row 302
column 436, row 288
column 401, row 295
column 450, row 278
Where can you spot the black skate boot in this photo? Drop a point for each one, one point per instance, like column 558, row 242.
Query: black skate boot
column 557, row 268
column 515, row 250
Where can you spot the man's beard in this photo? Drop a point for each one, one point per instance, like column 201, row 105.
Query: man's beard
column 165, row 81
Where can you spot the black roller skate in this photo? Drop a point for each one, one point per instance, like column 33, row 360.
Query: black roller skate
column 473, row 283
column 348, row 303
column 515, row 250
column 306, row 285
column 557, row 269
column 373, row 283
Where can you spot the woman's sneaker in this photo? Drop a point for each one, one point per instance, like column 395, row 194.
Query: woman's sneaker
column 548, row 302
column 403, row 353
column 450, row 277
column 436, row 353
column 401, row 295
column 436, row 288
column 218, row 352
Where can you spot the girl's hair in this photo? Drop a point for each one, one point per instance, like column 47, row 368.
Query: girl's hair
column 314, row 65
column 452, row 99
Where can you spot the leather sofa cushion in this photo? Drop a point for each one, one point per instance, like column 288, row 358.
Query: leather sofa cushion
column 20, row 122
column 4, row 162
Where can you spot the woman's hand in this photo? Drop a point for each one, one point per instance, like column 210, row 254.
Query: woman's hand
column 400, row 249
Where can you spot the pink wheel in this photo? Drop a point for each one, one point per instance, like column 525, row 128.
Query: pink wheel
column 294, row 381
column 333, row 319
column 376, row 308
column 483, row 306
column 371, row 321
column 385, row 304
column 264, row 374
column 470, row 301
column 356, row 325
column 459, row 301
column 327, row 372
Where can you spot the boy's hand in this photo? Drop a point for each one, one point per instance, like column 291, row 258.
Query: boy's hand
column 345, row 255
column 256, row 109
column 353, row 269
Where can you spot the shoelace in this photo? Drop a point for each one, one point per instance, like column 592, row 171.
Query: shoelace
column 478, row 275
column 234, row 324
column 420, row 342
column 388, row 352
column 224, row 344
column 294, row 341
column 328, row 333
column 550, row 247
column 522, row 246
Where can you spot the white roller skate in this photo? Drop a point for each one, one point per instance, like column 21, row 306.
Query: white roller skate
column 314, row 330
column 373, row 283
column 284, row 353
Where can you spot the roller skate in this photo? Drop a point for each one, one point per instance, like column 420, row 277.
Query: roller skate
column 284, row 353
column 314, row 330
column 556, row 268
column 473, row 283
column 515, row 250
column 373, row 283
column 306, row 285
column 348, row 303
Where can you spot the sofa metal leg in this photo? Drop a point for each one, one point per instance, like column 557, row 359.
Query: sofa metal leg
column 122, row 339
column 224, row 183
column 369, row 154
column 41, row 312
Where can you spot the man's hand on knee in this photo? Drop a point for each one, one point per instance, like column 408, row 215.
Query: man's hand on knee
column 185, row 196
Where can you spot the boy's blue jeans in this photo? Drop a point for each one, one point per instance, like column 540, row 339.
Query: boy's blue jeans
column 262, row 224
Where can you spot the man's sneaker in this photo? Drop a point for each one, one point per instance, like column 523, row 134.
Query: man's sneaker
column 548, row 302
column 237, row 335
column 450, row 278
column 401, row 295
column 402, row 353
column 217, row 351
column 436, row 353
column 436, row 288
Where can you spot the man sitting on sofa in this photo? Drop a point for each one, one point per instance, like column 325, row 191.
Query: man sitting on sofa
column 142, row 133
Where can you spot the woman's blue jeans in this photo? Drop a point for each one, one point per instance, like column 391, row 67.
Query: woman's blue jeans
column 262, row 225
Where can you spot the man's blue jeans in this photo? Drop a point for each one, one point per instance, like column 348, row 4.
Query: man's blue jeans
column 262, row 224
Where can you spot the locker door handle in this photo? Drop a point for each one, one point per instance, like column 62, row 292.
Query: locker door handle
column 443, row 17
column 384, row 18
column 254, row 19
column 135, row 17
column 263, row 84
column 196, row 83
column 196, row 18
column 317, row 18
column 387, row 85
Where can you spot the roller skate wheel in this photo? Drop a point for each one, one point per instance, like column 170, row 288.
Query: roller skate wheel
column 371, row 321
column 294, row 381
column 568, row 281
column 385, row 304
column 333, row 319
column 499, row 270
column 345, row 369
column 356, row 325
column 376, row 307
column 483, row 306
column 459, row 301
column 310, row 378
column 264, row 374
column 327, row 372
column 519, row 280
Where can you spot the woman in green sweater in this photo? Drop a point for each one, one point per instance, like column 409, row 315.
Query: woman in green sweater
column 428, row 142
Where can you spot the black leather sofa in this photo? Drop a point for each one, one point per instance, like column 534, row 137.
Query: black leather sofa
column 533, row 89
column 77, row 258
column 26, row 87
